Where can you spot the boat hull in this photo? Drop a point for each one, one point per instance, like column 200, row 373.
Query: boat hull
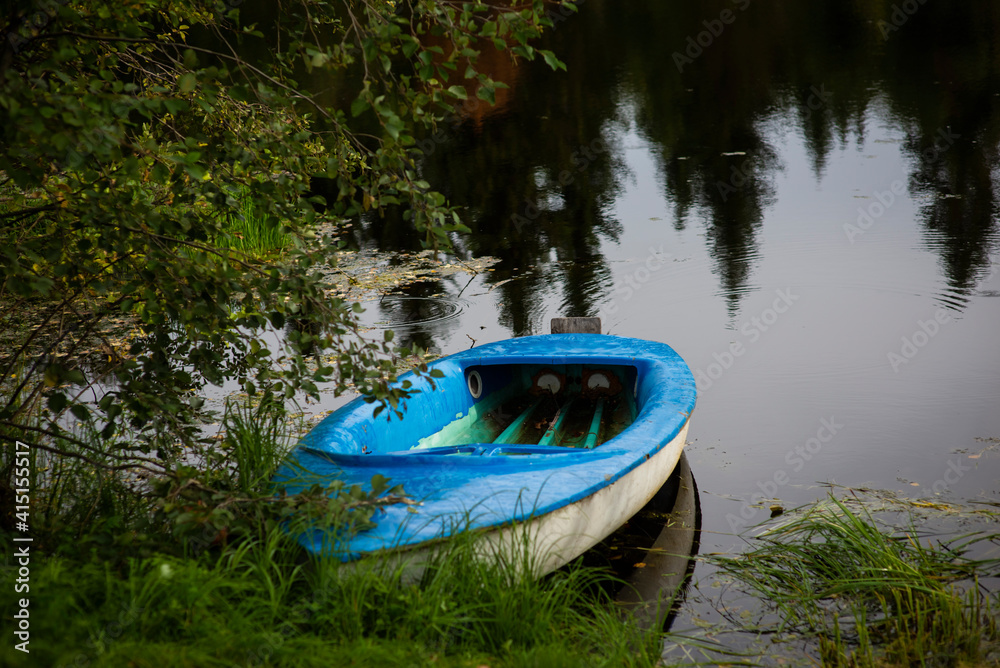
column 566, row 498
column 558, row 537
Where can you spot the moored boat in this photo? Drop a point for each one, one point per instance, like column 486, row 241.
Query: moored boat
column 565, row 435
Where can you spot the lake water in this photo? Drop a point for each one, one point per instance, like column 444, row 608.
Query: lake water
column 800, row 198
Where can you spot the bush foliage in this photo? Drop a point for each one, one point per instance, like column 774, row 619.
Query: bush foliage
column 132, row 136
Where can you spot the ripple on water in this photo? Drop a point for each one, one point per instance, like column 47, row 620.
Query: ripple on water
column 401, row 312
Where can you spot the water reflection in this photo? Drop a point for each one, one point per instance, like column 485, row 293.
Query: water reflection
column 945, row 93
column 416, row 319
column 539, row 179
column 655, row 552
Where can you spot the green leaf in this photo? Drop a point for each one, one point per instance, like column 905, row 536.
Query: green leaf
column 53, row 375
column 175, row 106
column 57, row 402
column 551, row 60
column 358, row 106
column 196, row 172
column 187, row 82
column 393, row 125
column 487, row 93
column 379, row 484
column 410, row 46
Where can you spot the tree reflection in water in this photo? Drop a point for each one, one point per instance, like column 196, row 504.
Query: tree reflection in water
column 538, row 176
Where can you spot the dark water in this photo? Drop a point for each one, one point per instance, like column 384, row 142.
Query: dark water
column 800, row 198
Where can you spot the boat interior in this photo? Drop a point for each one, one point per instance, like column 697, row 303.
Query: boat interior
column 533, row 409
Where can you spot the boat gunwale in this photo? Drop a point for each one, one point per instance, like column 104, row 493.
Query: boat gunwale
column 665, row 394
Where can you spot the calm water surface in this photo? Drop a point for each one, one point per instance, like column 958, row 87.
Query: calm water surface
column 800, row 198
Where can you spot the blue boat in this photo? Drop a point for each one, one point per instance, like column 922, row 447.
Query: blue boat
column 564, row 435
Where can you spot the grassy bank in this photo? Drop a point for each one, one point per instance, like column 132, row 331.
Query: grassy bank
column 260, row 604
column 198, row 571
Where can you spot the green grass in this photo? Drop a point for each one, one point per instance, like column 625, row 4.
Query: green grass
column 74, row 505
column 260, row 603
column 250, row 232
column 870, row 596
column 125, row 575
column 255, row 442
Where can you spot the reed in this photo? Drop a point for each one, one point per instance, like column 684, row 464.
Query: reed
column 250, row 232
column 256, row 440
column 871, row 596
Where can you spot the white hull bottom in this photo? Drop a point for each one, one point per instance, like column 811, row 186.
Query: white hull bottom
column 558, row 537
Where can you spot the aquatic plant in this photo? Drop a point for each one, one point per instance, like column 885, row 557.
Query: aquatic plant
column 250, row 232
column 870, row 595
